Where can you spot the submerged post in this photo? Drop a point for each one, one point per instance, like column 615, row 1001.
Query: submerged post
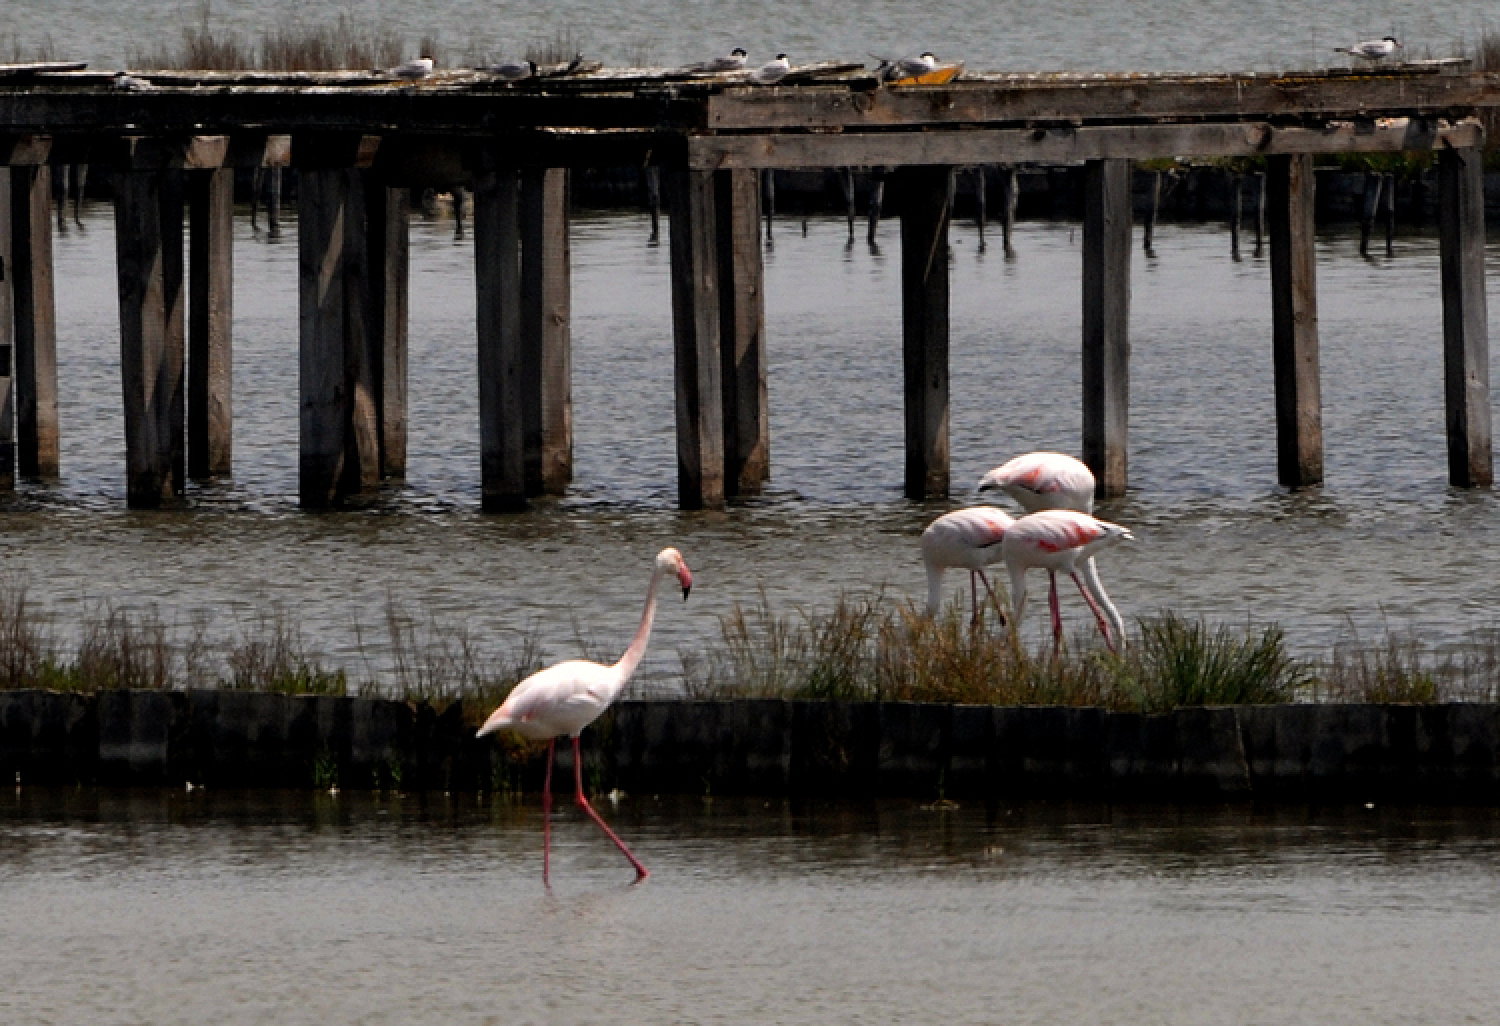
column 387, row 235
column 1466, row 361
column 339, row 432
column 1011, row 197
column 497, row 268
column 546, row 331
column 35, row 317
column 210, row 318
column 924, row 321
column 1294, row 319
column 877, row 202
column 1106, row 324
column 695, row 332
column 148, row 245
column 742, row 317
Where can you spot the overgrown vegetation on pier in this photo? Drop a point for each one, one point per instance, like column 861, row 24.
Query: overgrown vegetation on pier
column 866, row 647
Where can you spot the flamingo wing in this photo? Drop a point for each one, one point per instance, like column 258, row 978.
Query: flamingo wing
column 561, row 699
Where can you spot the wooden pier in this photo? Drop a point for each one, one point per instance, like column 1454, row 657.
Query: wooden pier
column 360, row 141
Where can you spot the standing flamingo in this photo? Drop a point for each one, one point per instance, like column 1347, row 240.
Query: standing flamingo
column 966, row 539
column 1059, row 539
column 565, row 698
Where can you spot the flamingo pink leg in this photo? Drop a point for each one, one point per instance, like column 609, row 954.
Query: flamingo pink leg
column 547, row 814
column 641, row 872
column 1098, row 615
column 993, row 597
column 1052, row 603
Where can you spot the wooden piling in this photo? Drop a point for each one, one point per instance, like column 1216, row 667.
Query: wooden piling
column 1148, row 234
column 1236, row 199
column 846, row 179
column 1106, row 324
column 1260, row 211
column 653, row 201
column 1466, row 373
column 1012, row 196
column 768, row 185
column 924, row 319
column 546, row 331
column 742, row 317
column 981, row 204
column 60, row 194
column 148, row 246
column 1390, row 215
column 692, row 207
column 210, row 416
column 7, row 347
column 80, row 179
column 877, row 201
column 388, row 246
column 340, row 449
column 1369, row 207
column 273, row 202
column 1294, row 317
column 35, row 339
column 497, row 266
column 257, row 183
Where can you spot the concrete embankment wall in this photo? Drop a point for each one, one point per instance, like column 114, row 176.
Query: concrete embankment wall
column 1431, row 753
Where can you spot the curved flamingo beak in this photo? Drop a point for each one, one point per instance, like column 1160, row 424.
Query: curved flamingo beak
column 685, row 578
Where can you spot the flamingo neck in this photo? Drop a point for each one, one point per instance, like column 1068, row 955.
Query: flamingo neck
column 637, row 650
column 1116, row 621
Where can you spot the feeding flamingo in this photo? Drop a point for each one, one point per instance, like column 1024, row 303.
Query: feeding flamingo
column 1061, row 539
column 966, row 539
column 565, row 698
column 1044, row 480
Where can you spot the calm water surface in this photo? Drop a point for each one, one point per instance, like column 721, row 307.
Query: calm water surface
column 163, row 908
column 1386, row 543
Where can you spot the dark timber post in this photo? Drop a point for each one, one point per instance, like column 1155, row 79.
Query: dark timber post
column 35, row 321
column 1466, row 361
column 148, row 245
column 695, row 334
column 7, row 347
column 387, row 228
column 1294, row 318
column 339, row 430
column 497, row 267
column 742, row 318
column 546, row 321
column 210, row 317
column 1106, row 324
column 924, row 315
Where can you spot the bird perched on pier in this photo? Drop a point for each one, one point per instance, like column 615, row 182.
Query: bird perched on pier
column 966, row 539
column 1372, row 49
column 734, row 60
column 417, row 67
column 565, row 698
column 511, row 71
column 771, row 72
column 905, row 67
column 1044, row 480
column 1060, row 540
column 124, row 82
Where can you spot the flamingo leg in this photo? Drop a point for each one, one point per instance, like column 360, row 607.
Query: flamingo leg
column 547, row 814
column 974, row 598
column 1098, row 613
column 993, row 597
column 641, row 872
column 1057, row 628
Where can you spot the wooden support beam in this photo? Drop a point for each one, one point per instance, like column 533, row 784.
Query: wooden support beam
column 1066, row 144
column 148, row 247
column 924, row 196
column 35, row 322
column 1294, row 317
column 742, row 321
column 695, row 333
column 340, row 449
column 210, row 323
column 497, row 267
column 1466, row 360
column 546, row 323
column 388, row 242
column 1106, row 325
column 7, row 347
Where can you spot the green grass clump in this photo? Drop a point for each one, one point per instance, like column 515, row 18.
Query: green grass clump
column 1177, row 662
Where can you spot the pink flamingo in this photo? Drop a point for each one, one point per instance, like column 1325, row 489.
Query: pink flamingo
column 565, row 698
column 1061, row 539
column 966, row 539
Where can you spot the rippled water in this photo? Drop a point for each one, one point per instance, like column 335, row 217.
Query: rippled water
column 163, row 907
column 1385, row 543
column 1200, row 35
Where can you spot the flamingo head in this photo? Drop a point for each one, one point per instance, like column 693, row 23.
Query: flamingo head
column 670, row 561
column 990, row 482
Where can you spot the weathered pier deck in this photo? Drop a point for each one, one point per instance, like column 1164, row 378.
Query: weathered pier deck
column 359, row 141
